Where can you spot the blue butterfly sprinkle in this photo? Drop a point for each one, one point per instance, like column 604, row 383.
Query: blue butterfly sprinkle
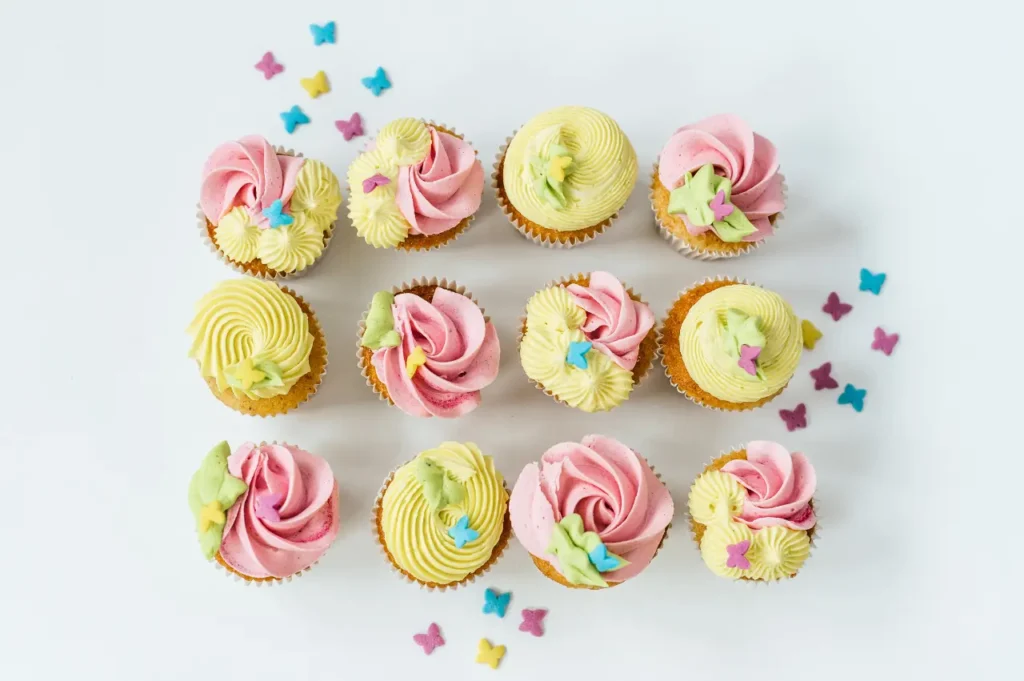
column 293, row 118
column 322, row 34
column 276, row 215
column 870, row 281
column 462, row 533
column 853, row 397
column 496, row 602
column 378, row 82
column 577, row 355
column 601, row 560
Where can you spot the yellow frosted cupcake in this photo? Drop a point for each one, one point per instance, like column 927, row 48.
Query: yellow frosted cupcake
column 416, row 189
column 266, row 211
column 729, row 345
column 442, row 518
column 258, row 345
column 563, row 177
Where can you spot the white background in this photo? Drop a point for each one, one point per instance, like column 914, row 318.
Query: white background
column 898, row 128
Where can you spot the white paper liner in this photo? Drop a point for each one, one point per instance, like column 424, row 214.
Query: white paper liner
column 693, row 253
column 258, row 582
column 452, row 286
column 465, row 581
column 277, row 276
column 565, row 281
column 752, row 583
column 506, row 208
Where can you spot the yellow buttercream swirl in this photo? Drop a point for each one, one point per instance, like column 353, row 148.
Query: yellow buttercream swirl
column 779, row 552
column 417, row 536
column 716, row 498
column 552, row 321
column 237, row 236
column 293, row 247
column 602, row 174
column 714, row 369
column 248, row 318
column 404, row 142
column 376, row 216
column 317, row 196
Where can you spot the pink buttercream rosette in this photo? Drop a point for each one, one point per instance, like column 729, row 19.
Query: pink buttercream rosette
column 612, row 488
column 458, row 340
column 287, row 518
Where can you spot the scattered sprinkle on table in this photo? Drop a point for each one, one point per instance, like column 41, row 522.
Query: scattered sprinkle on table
column 430, row 640
column 496, row 602
column 353, row 127
column 378, row 82
column 269, row 66
column 317, row 85
column 810, row 333
column 884, row 342
column 853, row 397
column 835, row 308
column 823, row 377
column 533, row 621
column 869, row 281
column 322, row 34
column 488, row 654
column 795, row 418
column 293, row 118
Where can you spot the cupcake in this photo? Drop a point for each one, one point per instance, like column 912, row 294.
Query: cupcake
column 427, row 348
column 563, row 177
column 752, row 512
column 264, row 513
column 729, row 345
column 587, row 340
column 265, row 211
column 592, row 514
column 258, row 345
column 442, row 519
column 716, row 190
column 416, row 188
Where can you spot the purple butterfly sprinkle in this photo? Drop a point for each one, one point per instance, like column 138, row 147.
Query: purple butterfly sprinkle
column 823, row 377
column 835, row 307
column 796, row 418
column 430, row 640
column 267, row 505
column 353, row 127
column 749, row 353
column 721, row 209
column 371, row 183
column 884, row 342
column 738, row 555
column 532, row 620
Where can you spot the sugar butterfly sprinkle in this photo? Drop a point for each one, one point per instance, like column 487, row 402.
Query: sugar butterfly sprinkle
column 269, row 66
column 488, row 654
column 317, row 85
column 823, row 377
column 496, row 602
column 323, row 34
column 378, row 82
column 267, row 506
column 533, row 621
column 871, row 282
column 836, row 308
column 353, row 127
column 795, row 418
column 853, row 396
column 430, row 640
column 293, row 118
column 884, row 342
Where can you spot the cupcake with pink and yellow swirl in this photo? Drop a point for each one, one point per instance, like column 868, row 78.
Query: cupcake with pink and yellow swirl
column 428, row 349
column 587, row 341
column 752, row 512
column 716, row 190
column 264, row 513
column 592, row 514
column 416, row 188
column 265, row 210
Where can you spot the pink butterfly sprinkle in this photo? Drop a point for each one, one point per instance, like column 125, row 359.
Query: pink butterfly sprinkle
column 532, row 620
column 795, row 419
column 353, row 127
column 883, row 342
column 430, row 640
column 720, row 207
column 267, row 505
column 737, row 555
column 748, row 354
column 835, row 307
column 371, row 183
column 269, row 66
column 823, row 377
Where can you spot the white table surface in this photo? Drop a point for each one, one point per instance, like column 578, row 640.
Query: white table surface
column 898, row 128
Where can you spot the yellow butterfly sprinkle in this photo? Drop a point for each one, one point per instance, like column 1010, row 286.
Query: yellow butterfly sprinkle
column 317, row 85
column 415, row 360
column 247, row 374
column 211, row 514
column 488, row 654
column 811, row 334
column 557, row 166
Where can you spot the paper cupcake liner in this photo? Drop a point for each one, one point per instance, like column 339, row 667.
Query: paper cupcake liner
column 378, row 536
column 695, row 253
column 666, row 351
column 364, row 355
column 654, row 333
column 236, row 576
column 814, row 532
column 571, row 238
column 270, row 274
column 284, row 402
column 552, row 573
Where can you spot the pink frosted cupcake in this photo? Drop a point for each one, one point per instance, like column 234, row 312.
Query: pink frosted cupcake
column 716, row 190
column 264, row 513
column 592, row 514
column 428, row 348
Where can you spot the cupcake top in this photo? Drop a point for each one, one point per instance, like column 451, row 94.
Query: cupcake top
column 433, row 354
column 741, row 343
column 594, row 510
column 443, row 513
column 251, row 337
column 418, row 180
column 569, row 168
column 268, row 206
column 755, row 512
column 582, row 342
column 267, row 511
column 723, row 177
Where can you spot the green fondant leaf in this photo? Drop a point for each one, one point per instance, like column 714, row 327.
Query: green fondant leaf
column 741, row 329
column 380, row 323
column 273, row 373
column 573, row 560
column 439, row 488
column 209, row 541
column 735, row 227
column 544, row 184
column 230, row 490
column 213, row 482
